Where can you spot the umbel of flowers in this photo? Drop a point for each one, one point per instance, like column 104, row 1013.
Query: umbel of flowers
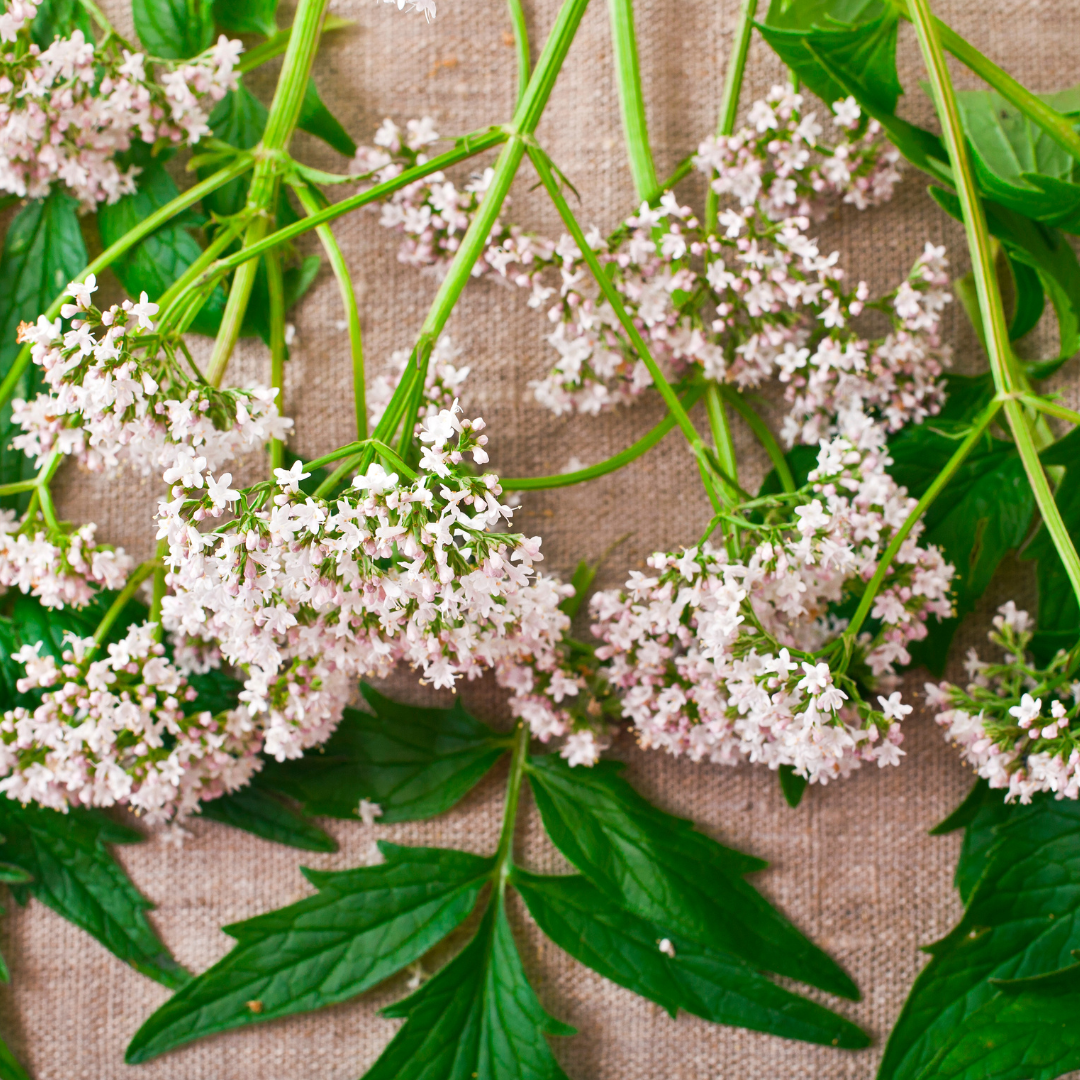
column 67, row 110
column 1016, row 723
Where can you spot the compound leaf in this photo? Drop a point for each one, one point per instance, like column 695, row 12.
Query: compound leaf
column 362, row 926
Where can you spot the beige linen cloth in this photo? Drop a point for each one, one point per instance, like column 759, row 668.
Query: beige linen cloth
column 853, row 867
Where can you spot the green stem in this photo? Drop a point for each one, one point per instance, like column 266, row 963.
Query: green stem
column 18, row 487
column 222, row 239
column 763, row 435
column 729, row 101
column 1051, row 408
column 612, row 464
column 276, row 45
column 921, row 507
column 1058, row 127
column 339, row 474
column 276, row 290
column 631, row 99
column 99, row 17
column 667, row 392
column 121, row 247
column 504, row 855
column 521, row 40
column 311, row 203
column 280, row 124
column 139, row 575
column 48, row 510
column 721, row 431
column 990, row 305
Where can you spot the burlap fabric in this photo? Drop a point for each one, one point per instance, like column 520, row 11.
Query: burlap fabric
column 853, row 866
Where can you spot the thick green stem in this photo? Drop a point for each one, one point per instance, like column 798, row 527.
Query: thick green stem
column 311, row 203
column 521, row 41
column 982, row 266
column 504, row 856
column 1058, row 127
column 612, row 464
column 631, row 99
column 222, row 239
column 611, row 294
column 931, row 493
column 763, row 435
column 276, row 45
column 1051, row 408
column 729, row 102
column 280, row 124
column 721, row 431
column 276, row 290
column 121, row 247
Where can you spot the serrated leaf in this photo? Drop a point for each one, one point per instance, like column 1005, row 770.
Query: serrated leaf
column 43, row 251
column 1023, row 919
column 246, row 16
column 414, row 762
column 1026, row 1031
column 264, row 814
column 174, row 29
column 983, row 513
column 153, row 264
column 74, row 874
column 316, row 119
column 361, row 927
column 715, row 986
column 10, row 1069
column 978, row 815
column 661, row 869
column 477, row 1017
column 59, row 18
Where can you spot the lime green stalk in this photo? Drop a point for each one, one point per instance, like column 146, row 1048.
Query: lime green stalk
column 275, row 287
column 990, row 305
column 521, row 41
column 631, row 99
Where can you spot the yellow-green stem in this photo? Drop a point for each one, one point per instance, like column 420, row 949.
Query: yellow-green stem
column 276, row 291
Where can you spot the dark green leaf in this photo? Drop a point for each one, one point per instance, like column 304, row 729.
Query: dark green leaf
column 715, row 986
column 802, row 460
column 792, row 785
column 415, row 763
column 1058, row 611
column 74, row 874
column 316, row 119
column 661, row 869
column 10, row 1069
column 1029, row 302
column 174, row 29
column 44, row 250
column 967, row 396
column 59, row 18
column 10, row 874
column 239, row 119
column 584, row 576
column 361, row 927
column 477, row 1017
column 246, row 16
column 1023, row 919
column 1026, row 1031
column 265, row 814
column 983, row 513
column 979, row 815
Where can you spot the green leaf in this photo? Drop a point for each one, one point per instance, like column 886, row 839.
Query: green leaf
column 74, row 874
column 658, row 867
column 1026, row 1031
column 715, row 986
column 477, row 1017
column 982, row 514
column 239, row 119
column 792, row 785
column 1023, row 919
column 43, row 251
column 296, row 281
column 59, row 18
column 264, row 814
column 174, row 29
column 967, row 396
column 246, row 16
column 978, row 815
column 316, row 119
column 10, row 1069
column 361, row 927
column 1029, row 299
column 584, row 576
column 414, row 762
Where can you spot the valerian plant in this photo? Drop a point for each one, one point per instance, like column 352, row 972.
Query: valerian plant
column 216, row 677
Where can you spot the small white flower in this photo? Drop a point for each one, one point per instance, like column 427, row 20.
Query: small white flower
column 368, row 811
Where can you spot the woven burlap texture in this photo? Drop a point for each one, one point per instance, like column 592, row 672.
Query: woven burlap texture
column 853, row 867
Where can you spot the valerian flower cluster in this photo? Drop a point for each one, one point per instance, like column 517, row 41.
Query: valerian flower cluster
column 1016, row 723
column 67, row 110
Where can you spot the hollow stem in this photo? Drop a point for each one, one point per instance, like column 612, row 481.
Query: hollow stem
column 277, row 44
column 632, row 100
column 276, row 290
column 763, row 435
column 521, row 41
column 1051, row 408
column 504, row 855
column 311, row 203
column 721, row 431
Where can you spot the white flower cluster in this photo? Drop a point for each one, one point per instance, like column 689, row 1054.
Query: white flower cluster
column 442, row 382
column 306, row 596
column 68, row 110
column 1015, row 723
column 19, row 13
column 114, row 398
column 62, row 567
column 114, row 731
column 720, row 653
